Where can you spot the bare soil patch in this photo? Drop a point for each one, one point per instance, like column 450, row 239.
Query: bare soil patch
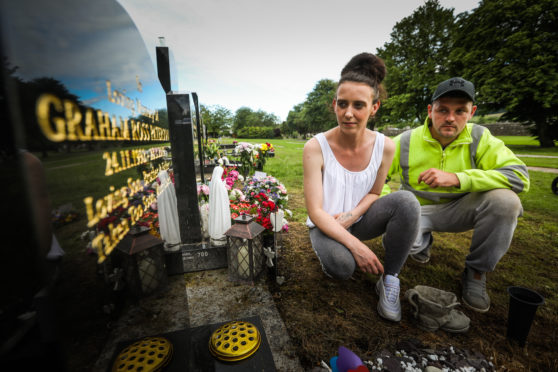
column 322, row 313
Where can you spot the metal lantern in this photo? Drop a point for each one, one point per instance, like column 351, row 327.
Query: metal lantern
column 142, row 259
column 245, row 256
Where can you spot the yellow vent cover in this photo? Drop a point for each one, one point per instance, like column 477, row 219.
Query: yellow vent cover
column 148, row 354
column 234, row 341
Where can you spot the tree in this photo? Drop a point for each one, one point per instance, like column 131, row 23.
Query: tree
column 246, row 117
column 416, row 58
column 509, row 50
column 294, row 122
column 241, row 118
column 317, row 112
column 217, row 119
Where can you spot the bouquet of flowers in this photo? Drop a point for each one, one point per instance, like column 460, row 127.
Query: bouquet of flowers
column 269, row 195
column 211, row 149
column 230, row 176
column 246, row 153
column 239, row 208
column 270, row 186
column 203, row 193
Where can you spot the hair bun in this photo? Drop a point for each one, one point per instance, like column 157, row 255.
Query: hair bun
column 366, row 64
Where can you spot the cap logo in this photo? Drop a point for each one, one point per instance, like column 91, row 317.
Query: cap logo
column 457, row 83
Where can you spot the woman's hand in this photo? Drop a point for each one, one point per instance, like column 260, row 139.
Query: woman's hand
column 366, row 260
column 345, row 219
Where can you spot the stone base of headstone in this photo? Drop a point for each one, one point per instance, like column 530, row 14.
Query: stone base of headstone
column 191, row 351
column 195, row 257
column 173, row 260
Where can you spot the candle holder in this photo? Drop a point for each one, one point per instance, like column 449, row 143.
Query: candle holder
column 245, row 256
column 276, row 219
column 140, row 254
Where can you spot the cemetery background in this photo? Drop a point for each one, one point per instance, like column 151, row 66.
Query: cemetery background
column 321, row 314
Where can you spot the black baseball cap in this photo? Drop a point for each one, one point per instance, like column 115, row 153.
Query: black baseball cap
column 455, row 84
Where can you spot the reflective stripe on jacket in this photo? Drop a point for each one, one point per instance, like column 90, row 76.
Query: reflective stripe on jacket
column 481, row 161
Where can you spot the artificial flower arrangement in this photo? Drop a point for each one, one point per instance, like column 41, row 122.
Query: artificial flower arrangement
column 211, row 149
column 246, row 154
column 264, row 150
column 268, row 185
column 267, row 189
column 258, row 197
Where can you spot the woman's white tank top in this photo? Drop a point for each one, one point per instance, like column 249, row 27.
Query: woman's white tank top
column 343, row 189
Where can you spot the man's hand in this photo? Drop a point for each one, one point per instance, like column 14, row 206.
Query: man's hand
column 366, row 260
column 436, row 178
column 345, row 219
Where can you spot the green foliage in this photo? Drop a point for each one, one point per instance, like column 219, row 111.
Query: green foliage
column 211, row 149
column 245, row 117
column 216, row 119
column 416, row 58
column 294, row 122
column 315, row 114
column 509, row 49
column 256, row 132
column 485, row 119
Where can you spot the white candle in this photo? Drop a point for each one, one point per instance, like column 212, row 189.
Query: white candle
column 243, row 260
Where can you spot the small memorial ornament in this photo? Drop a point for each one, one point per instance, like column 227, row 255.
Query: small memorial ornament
column 245, row 255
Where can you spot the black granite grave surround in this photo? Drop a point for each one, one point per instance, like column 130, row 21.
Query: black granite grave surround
column 191, row 351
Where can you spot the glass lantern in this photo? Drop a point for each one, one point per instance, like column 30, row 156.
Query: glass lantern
column 245, row 256
column 140, row 255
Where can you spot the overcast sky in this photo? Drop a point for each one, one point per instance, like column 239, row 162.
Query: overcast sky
column 266, row 54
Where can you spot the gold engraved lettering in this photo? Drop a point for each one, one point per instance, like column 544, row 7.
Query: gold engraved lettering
column 64, row 120
column 90, row 126
column 105, row 243
column 115, row 130
column 124, row 128
column 139, row 85
column 73, row 121
column 135, row 125
column 57, row 132
column 109, row 94
column 91, row 216
column 97, row 244
column 108, row 168
column 104, row 125
column 115, row 164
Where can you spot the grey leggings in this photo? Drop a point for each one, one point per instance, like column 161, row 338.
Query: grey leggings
column 396, row 214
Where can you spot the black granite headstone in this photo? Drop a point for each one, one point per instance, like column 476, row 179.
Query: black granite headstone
column 84, row 126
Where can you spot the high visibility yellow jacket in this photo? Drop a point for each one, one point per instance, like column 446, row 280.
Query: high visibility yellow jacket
column 481, row 161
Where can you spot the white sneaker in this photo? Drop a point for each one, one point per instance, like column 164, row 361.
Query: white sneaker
column 389, row 306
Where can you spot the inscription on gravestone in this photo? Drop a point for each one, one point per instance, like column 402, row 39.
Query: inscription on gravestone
column 85, row 134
